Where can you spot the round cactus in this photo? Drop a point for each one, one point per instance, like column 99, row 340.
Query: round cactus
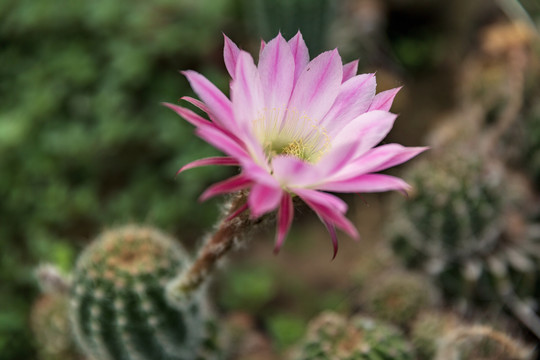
column 481, row 343
column 397, row 296
column 332, row 336
column 443, row 336
column 119, row 307
column 427, row 331
column 460, row 227
column 50, row 324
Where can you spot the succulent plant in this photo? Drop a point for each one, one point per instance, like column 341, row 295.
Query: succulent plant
column 443, row 336
column 427, row 331
column 397, row 296
column 119, row 308
column 50, row 325
column 479, row 342
column 460, row 227
column 332, row 336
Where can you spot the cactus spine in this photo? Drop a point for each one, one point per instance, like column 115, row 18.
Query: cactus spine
column 119, row 308
column 332, row 337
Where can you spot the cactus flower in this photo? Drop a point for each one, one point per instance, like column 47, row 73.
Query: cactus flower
column 296, row 128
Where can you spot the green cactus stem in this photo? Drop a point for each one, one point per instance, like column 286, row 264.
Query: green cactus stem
column 234, row 228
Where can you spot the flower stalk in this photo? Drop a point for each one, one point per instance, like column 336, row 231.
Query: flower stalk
column 232, row 230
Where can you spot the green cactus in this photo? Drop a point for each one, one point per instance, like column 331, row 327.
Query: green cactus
column 397, row 296
column 264, row 18
column 332, row 336
column 461, row 227
column 119, row 308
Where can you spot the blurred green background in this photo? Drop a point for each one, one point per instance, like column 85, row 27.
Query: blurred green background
column 85, row 144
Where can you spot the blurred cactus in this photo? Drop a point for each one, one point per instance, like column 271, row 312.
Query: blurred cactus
column 50, row 325
column 502, row 81
column 532, row 151
column 443, row 336
column 469, row 223
column 119, row 308
column 481, row 343
column 427, row 331
column 398, row 296
column 332, row 336
column 312, row 17
column 459, row 228
column 51, row 280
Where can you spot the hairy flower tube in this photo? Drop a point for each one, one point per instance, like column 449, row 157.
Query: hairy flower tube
column 296, row 127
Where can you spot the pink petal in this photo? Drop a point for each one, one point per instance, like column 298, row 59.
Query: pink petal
column 204, row 108
column 366, row 131
column 332, row 231
column 386, row 156
column 197, row 103
column 232, row 184
column 367, row 183
column 263, row 199
column 237, row 212
column 276, row 69
column 190, row 116
column 217, row 160
column 292, row 171
column 285, row 217
column 337, row 158
column 230, row 55
column 384, row 99
column 222, row 141
column 246, row 92
column 322, row 198
column 258, row 172
column 300, row 53
column 377, row 159
column 354, row 98
column 318, row 201
column 335, row 218
column 318, row 86
column 350, row 70
column 218, row 103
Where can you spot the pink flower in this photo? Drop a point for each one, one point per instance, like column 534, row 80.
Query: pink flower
column 297, row 128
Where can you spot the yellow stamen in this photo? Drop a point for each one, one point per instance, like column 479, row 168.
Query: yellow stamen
column 288, row 132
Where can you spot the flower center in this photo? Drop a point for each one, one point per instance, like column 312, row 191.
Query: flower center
column 288, row 132
column 296, row 148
